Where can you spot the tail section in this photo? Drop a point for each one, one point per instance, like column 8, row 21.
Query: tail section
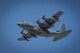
column 62, row 33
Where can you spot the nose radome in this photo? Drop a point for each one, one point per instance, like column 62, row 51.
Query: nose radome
column 22, row 23
column 18, row 24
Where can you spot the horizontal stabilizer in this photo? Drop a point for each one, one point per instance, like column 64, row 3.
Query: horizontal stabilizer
column 62, row 35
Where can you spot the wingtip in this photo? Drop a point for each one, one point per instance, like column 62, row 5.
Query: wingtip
column 20, row 39
column 60, row 12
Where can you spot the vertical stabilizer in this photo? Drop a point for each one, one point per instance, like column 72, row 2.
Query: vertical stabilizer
column 61, row 28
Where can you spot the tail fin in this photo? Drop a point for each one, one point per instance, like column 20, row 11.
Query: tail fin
column 61, row 28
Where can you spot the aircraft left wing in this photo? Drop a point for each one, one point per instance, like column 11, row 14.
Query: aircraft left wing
column 49, row 22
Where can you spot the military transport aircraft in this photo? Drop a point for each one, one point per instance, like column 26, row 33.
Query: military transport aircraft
column 30, row 31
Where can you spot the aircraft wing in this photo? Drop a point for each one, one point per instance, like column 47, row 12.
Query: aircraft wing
column 48, row 23
column 51, row 21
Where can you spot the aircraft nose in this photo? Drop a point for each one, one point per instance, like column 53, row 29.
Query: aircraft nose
column 18, row 24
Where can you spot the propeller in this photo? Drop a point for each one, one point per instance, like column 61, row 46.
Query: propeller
column 22, row 31
column 43, row 17
column 37, row 21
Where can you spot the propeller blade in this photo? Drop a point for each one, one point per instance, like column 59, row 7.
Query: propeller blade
column 37, row 21
column 22, row 32
column 43, row 17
